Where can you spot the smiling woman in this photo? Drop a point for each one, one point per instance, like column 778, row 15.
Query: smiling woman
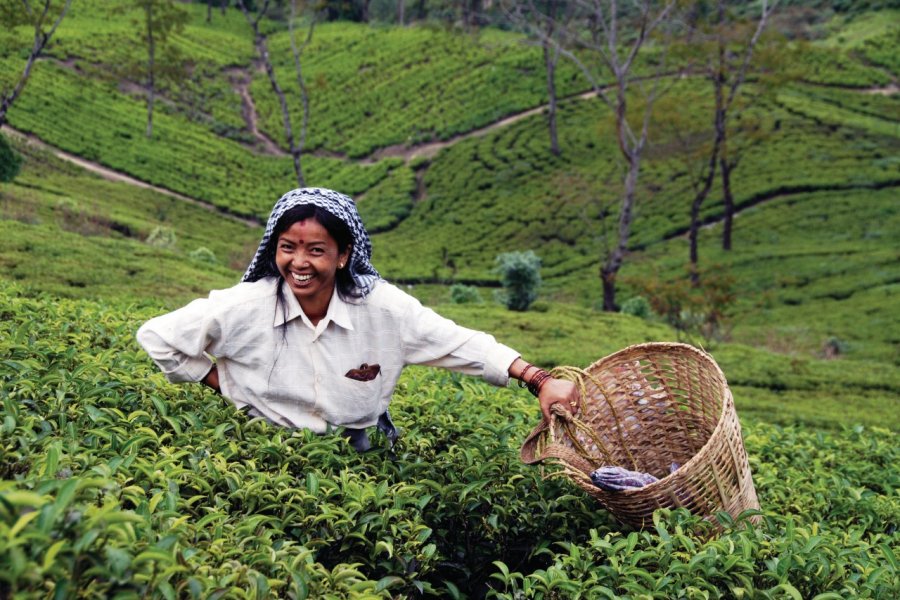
column 285, row 346
column 309, row 257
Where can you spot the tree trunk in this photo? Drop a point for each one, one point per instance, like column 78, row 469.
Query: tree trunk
column 699, row 198
column 475, row 10
column 728, row 201
column 719, row 125
column 609, row 290
column 41, row 40
column 614, row 261
column 304, row 91
column 7, row 101
column 550, row 60
column 262, row 49
column 151, row 58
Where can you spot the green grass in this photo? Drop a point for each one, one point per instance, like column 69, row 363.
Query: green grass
column 73, row 234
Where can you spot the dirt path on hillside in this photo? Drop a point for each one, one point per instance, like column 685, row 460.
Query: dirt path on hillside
column 430, row 149
column 240, row 83
column 119, row 177
column 888, row 90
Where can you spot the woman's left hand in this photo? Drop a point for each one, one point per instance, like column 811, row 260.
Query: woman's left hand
column 559, row 391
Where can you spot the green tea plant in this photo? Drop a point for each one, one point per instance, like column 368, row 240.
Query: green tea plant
column 114, row 482
column 464, row 294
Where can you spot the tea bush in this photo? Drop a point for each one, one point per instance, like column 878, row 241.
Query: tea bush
column 521, row 277
column 114, row 482
column 464, row 294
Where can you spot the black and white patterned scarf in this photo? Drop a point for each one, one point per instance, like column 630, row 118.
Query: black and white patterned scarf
column 361, row 270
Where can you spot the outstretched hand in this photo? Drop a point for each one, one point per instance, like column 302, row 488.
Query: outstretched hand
column 559, row 391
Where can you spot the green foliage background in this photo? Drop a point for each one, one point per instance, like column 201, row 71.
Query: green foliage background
column 113, row 482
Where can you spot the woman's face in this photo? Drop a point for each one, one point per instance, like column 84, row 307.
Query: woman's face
column 308, row 258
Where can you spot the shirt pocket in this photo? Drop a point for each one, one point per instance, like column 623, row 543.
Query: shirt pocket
column 355, row 401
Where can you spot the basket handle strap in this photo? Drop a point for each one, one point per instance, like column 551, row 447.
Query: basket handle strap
column 530, row 444
column 534, row 450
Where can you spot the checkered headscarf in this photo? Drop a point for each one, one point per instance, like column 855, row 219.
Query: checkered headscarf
column 360, row 268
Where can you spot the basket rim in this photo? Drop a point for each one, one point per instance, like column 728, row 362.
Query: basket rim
column 719, row 423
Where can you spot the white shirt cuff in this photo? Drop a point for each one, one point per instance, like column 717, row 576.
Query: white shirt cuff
column 496, row 369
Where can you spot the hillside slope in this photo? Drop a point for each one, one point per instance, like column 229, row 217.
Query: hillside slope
column 825, row 170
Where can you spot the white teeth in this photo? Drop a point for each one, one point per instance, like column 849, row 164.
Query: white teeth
column 301, row 278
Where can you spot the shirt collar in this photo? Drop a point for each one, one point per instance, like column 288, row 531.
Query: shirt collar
column 338, row 313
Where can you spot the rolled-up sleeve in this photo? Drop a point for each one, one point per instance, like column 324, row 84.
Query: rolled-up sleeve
column 433, row 340
column 178, row 342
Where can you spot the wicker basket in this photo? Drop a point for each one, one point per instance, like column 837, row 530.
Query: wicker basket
column 644, row 408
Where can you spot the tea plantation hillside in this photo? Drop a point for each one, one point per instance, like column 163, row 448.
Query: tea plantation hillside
column 71, row 234
column 831, row 132
column 115, row 483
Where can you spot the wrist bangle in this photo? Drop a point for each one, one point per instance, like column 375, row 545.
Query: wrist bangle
column 537, row 382
column 522, row 375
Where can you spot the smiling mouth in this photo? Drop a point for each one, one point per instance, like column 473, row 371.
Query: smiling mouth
column 301, row 278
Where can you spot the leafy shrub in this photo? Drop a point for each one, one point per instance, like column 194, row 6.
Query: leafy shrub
column 464, row 294
column 114, row 483
column 701, row 309
column 162, row 237
column 521, row 277
column 637, row 307
column 204, row 255
column 10, row 161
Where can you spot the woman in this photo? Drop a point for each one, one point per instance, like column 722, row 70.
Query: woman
column 289, row 348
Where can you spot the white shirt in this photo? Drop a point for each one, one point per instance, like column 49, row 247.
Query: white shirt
column 277, row 362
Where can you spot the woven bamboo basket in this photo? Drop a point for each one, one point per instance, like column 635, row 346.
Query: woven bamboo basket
column 644, row 408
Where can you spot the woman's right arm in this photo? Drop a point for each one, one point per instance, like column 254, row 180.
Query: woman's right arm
column 178, row 341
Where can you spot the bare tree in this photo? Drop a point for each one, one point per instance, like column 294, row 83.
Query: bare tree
column 602, row 41
column 39, row 16
column 552, row 18
column 162, row 18
column 297, row 51
column 262, row 49
column 727, row 70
